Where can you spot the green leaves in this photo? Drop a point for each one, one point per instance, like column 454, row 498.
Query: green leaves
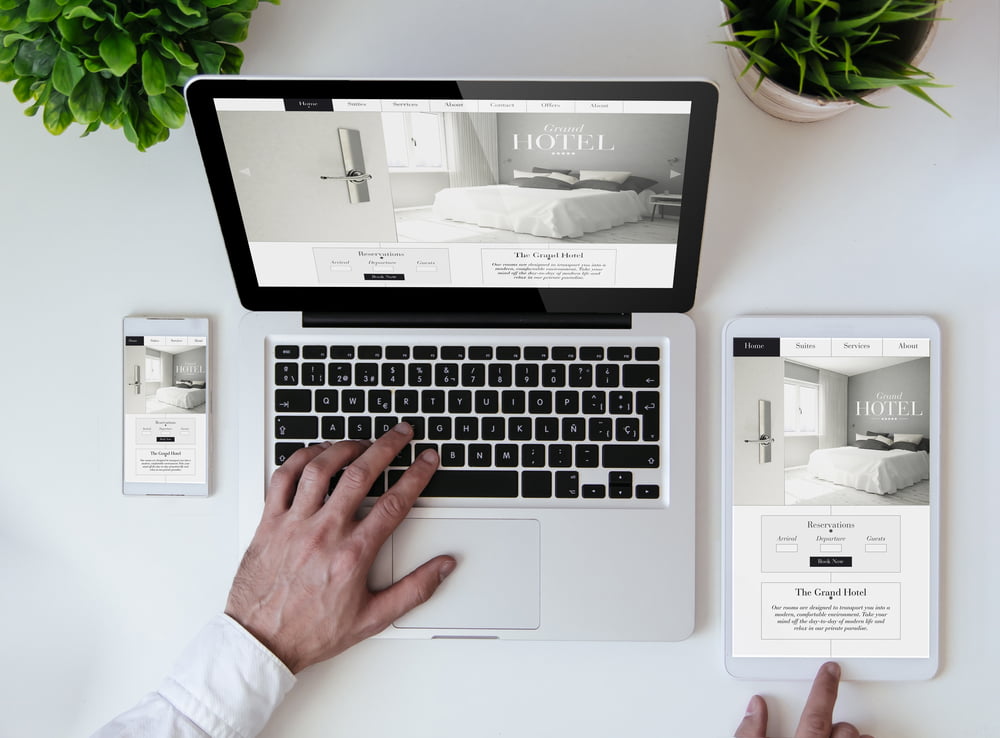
column 102, row 62
column 833, row 49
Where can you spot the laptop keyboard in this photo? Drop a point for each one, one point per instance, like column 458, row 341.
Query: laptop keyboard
column 509, row 421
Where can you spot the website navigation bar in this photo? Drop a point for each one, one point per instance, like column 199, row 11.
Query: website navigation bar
column 619, row 107
column 832, row 347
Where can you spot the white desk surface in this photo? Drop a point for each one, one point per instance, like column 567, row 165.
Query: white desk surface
column 875, row 211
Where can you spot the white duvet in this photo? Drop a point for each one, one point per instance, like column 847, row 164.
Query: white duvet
column 879, row 472
column 181, row 396
column 550, row 213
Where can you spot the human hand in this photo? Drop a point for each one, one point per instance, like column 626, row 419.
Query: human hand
column 302, row 588
column 817, row 715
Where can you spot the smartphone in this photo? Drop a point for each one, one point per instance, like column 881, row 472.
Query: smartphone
column 166, row 384
column 831, row 495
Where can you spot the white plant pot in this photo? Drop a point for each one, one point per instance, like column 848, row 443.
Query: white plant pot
column 787, row 104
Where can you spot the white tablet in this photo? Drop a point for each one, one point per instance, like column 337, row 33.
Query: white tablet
column 831, row 495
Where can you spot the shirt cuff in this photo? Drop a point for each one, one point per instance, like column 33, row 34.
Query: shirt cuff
column 227, row 682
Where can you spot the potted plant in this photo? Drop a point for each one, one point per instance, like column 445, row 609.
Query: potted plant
column 805, row 60
column 117, row 62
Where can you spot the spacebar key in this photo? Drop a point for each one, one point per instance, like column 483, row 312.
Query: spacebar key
column 630, row 457
column 462, row 483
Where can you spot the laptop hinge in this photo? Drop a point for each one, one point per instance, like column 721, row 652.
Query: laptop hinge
column 621, row 321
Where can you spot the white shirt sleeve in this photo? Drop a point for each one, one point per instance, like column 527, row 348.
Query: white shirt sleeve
column 226, row 685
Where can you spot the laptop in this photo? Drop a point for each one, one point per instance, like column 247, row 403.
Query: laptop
column 506, row 266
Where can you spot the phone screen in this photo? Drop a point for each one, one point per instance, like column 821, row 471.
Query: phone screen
column 166, row 386
column 833, row 459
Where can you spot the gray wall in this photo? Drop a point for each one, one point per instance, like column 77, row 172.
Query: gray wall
column 642, row 145
column 910, row 380
column 190, row 365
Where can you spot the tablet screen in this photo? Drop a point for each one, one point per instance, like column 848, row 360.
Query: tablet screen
column 833, row 448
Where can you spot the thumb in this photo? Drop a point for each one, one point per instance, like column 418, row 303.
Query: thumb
column 754, row 724
column 414, row 589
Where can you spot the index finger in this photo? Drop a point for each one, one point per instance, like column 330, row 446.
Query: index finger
column 357, row 478
column 817, row 716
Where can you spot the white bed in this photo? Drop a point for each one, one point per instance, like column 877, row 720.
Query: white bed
column 183, row 397
column 540, row 212
column 878, row 472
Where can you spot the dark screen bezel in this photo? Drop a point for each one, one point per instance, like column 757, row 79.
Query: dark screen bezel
column 201, row 93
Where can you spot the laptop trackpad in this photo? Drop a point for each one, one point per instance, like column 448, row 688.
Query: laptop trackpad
column 496, row 582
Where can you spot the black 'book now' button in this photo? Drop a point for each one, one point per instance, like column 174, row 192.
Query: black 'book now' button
column 837, row 561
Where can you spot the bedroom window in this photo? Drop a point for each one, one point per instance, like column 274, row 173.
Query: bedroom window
column 414, row 141
column 801, row 408
column 153, row 369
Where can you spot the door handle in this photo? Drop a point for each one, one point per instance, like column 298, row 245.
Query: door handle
column 763, row 440
column 352, row 176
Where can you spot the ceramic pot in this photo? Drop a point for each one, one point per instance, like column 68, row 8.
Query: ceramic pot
column 787, row 104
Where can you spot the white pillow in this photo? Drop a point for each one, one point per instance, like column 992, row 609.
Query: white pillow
column 567, row 178
column 518, row 174
column 913, row 438
column 884, row 439
column 618, row 177
column 859, row 437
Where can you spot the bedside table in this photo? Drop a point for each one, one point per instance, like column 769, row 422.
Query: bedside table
column 670, row 201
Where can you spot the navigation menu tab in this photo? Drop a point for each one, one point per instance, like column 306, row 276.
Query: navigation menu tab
column 906, row 347
column 805, row 346
column 856, row 347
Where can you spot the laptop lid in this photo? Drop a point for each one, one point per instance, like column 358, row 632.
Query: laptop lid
column 474, row 196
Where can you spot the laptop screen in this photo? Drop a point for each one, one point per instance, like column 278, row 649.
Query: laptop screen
column 475, row 188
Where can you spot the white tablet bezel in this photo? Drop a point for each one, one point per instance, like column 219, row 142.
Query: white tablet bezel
column 833, row 327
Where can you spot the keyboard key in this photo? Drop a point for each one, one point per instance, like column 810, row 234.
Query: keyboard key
column 513, row 401
column 509, row 353
column 630, row 457
column 487, row 402
column 467, row 429
column 446, row 375
column 283, row 451
column 594, row 403
column 432, row 401
column 567, row 484
column 619, row 353
column 452, row 454
column 425, row 352
column 383, row 424
column 379, row 401
column 293, row 401
column 505, row 454
column 365, row 375
column 567, row 403
column 314, row 352
column 494, row 429
column 338, row 374
column 393, row 374
column 599, row 429
column 397, row 352
column 453, row 353
column 313, row 374
column 593, row 491
column 419, row 375
column 296, row 426
column 540, row 402
column 553, row 375
column 418, row 424
column 620, row 403
column 326, row 401
column 406, row 401
column 359, row 428
column 459, row 401
column 647, row 491
column 564, row 353
column 574, row 429
column 587, row 456
column 536, row 353
column 519, row 429
column 480, row 454
column 526, row 375
column 286, row 374
column 352, row 401
column 560, row 455
column 581, row 375
column 546, row 429
column 333, row 427
column 404, row 457
column 500, row 375
column 647, row 353
column 536, row 484
column 619, row 492
column 647, row 405
column 286, row 352
column 341, row 352
column 467, row 483
column 473, row 375
column 481, row 353
column 532, row 454
column 626, row 429
column 606, row 375
column 369, row 352
column 641, row 375
column 439, row 429
column 592, row 353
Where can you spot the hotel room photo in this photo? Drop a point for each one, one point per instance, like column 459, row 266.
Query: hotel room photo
column 856, row 431
column 164, row 380
column 455, row 177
